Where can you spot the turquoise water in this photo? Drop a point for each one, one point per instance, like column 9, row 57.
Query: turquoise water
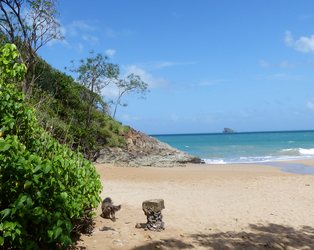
column 245, row 147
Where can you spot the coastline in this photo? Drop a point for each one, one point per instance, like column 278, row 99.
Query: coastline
column 208, row 207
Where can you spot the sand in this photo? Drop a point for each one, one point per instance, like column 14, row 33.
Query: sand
column 208, row 207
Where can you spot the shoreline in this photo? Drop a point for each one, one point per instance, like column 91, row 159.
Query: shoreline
column 260, row 162
column 231, row 206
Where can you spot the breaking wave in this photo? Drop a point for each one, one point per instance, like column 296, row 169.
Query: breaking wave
column 282, row 155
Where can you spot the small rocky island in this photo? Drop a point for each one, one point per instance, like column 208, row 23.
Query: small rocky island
column 144, row 150
column 228, row 131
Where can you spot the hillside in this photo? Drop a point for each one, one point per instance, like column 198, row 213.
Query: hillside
column 60, row 108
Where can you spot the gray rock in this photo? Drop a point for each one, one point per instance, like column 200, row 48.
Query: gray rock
column 144, row 150
column 154, row 205
column 152, row 210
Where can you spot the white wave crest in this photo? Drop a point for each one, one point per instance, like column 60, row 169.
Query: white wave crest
column 211, row 161
column 298, row 151
column 305, row 151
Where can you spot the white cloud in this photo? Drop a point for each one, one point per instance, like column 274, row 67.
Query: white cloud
column 111, row 33
column 304, row 44
column 289, row 40
column 129, row 118
column 156, row 65
column 305, row 17
column 80, row 47
column 153, row 82
column 110, row 52
column 110, row 92
column 174, row 117
column 167, row 64
column 90, row 39
column 286, row 65
column 283, row 64
column 281, row 76
column 264, row 64
column 207, row 83
column 63, row 41
column 310, row 104
column 77, row 26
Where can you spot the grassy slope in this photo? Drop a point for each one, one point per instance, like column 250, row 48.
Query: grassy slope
column 61, row 109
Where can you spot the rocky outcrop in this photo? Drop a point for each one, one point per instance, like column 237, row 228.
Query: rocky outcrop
column 228, row 131
column 144, row 150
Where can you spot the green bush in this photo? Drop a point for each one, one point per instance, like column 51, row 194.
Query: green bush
column 45, row 188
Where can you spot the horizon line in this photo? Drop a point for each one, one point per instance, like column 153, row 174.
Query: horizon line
column 235, row 132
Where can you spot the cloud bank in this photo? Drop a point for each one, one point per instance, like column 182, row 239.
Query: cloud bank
column 304, row 44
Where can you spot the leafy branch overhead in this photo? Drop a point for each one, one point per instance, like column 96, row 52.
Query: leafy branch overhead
column 30, row 24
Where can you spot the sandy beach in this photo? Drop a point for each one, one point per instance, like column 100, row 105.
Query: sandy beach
column 208, row 207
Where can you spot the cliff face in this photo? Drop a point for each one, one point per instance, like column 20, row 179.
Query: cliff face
column 144, row 150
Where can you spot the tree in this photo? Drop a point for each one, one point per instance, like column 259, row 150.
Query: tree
column 95, row 73
column 132, row 83
column 30, row 24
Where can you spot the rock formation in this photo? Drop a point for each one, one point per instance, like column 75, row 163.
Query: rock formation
column 144, row 150
column 228, row 131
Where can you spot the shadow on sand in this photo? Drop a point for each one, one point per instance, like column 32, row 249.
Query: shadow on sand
column 271, row 236
column 165, row 244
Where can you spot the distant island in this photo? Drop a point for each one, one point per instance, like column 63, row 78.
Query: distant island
column 228, row 131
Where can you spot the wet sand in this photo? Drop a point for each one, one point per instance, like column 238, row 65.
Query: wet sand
column 241, row 206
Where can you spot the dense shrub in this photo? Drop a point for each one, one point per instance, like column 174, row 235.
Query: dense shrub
column 44, row 186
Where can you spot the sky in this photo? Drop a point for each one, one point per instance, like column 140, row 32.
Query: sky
column 210, row 64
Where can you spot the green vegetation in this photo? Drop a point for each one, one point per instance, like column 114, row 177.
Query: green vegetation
column 63, row 108
column 73, row 112
column 49, row 124
column 45, row 188
column 30, row 25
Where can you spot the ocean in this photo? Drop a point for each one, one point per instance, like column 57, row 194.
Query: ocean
column 251, row 147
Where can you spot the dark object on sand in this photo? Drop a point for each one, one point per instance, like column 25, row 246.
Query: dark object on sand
column 108, row 209
column 152, row 210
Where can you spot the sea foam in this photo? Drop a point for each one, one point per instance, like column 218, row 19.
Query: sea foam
column 214, row 161
column 298, row 151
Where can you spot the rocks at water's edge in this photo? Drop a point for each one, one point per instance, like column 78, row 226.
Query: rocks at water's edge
column 144, row 150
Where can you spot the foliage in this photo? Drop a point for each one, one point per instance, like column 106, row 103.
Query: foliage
column 61, row 108
column 95, row 73
column 44, row 186
column 30, row 24
column 132, row 83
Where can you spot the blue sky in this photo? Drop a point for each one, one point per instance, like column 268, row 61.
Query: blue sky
column 246, row 64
